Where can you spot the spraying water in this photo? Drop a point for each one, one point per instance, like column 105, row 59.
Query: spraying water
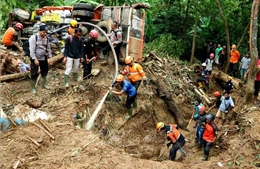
column 94, row 115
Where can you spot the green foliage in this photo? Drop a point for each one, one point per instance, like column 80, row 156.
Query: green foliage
column 166, row 46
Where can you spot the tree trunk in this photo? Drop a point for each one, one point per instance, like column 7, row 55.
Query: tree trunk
column 223, row 77
column 14, row 76
column 195, row 34
column 227, row 34
column 253, row 49
column 243, row 36
column 164, row 94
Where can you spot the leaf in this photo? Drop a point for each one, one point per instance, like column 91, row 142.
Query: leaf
column 230, row 163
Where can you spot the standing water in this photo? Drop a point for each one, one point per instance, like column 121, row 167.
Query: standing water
column 94, row 115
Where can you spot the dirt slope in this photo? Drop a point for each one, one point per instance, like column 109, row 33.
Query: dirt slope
column 114, row 142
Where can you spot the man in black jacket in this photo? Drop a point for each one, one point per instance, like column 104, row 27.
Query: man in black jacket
column 73, row 55
column 89, row 53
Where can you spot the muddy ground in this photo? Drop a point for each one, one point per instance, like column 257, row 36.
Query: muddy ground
column 114, row 142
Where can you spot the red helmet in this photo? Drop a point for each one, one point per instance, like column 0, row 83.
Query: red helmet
column 216, row 93
column 93, row 33
column 212, row 55
column 202, row 109
column 19, row 25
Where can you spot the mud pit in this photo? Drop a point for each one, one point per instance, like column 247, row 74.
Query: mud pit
column 114, row 142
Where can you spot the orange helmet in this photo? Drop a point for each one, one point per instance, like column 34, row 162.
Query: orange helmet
column 128, row 59
column 216, row 93
column 159, row 126
column 119, row 78
column 202, row 109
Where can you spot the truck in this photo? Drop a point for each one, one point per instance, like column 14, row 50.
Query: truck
column 131, row 20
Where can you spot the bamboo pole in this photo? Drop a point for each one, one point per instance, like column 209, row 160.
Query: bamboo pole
column 45, row 131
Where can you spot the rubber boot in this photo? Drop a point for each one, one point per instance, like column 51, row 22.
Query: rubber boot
column 135, row 104
column 200, row 85
column 75, row 76
column 33, row 82
column 44, row 85
column 66, row 80
column 130, row 112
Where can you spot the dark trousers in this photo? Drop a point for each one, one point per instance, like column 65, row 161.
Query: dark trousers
column 129, row 101
column 34, row 69
column 207, row 146
column 87, row 67
column 257, row 87
column 175, row 147
column 107, row 48
column 233, row 69
column 199, row 133
column 12, row 47
column 136, row 84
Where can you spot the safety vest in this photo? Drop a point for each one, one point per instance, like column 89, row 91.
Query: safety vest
column 134, row 73
column 173, row 133
column 8, row 37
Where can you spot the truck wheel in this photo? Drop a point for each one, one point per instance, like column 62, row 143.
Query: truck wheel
column 21, row 14
column 104, row 26
column 82, row 13
column 83, row 6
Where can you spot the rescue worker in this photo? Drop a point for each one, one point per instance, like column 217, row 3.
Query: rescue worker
column 73, row 55
column 203, row 81
column 134, row 72
column 200, row 125
column 127, row 88
column 37, row 24
column 40, row 51
column 89, row 53
column 234, row 61
column 116, row 40
column 197, row 105
column 10, row 38
column 217, row 95
column 229, row 85
column 209, row 135
column 226, row 105
column 72, row 27
column 176, row 139
column 210, row 62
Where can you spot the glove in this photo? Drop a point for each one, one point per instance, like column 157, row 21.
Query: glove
column 145, row 82
column 169, row 144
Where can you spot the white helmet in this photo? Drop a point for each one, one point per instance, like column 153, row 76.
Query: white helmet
column 203, row 64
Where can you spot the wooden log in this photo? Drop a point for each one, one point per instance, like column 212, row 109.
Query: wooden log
column 34, row 141
column 9, row 77
column 45, row 131
column 224, row 77
column 164, row 94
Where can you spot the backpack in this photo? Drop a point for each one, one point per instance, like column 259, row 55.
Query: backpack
column 26, row 46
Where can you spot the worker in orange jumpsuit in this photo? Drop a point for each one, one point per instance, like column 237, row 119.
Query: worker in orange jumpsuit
column 72, row 27
column 134, row 72
column 234, row 61
column 176, row 139
column 10, row 37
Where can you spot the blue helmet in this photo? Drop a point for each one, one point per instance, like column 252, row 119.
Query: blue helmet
column 210, row 117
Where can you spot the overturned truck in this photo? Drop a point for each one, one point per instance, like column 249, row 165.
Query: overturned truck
column 131, row 21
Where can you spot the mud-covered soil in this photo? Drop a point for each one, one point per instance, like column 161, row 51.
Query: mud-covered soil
column 114, row 142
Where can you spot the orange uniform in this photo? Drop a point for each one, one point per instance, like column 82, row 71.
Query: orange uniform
column 173, row 133
column 234, row 56
column 134, row 73
column 8, row 37
column 209, row 133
